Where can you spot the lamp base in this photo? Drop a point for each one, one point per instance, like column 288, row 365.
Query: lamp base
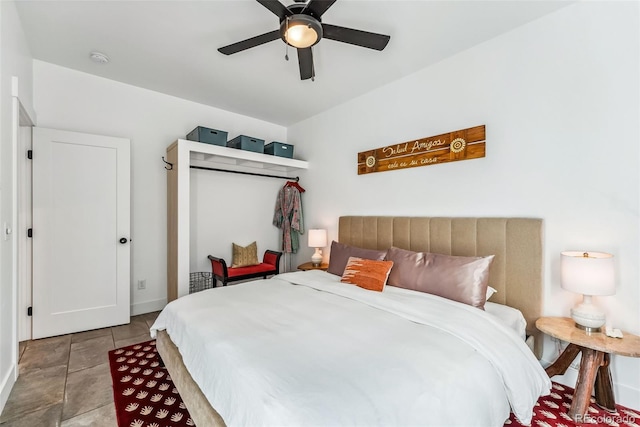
column 588, row 330
column 316, row 258
column 587, row 316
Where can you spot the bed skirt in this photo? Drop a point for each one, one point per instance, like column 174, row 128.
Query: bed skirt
column 199, row 407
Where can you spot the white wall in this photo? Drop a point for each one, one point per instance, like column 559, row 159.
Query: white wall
column 15, row 61
column 230, row 208
column 560, row 99
column 71, row 100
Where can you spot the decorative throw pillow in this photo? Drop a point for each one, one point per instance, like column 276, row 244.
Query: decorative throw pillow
column 245, row 256
column 366, row 273
column 340, row 254
column 462, row 279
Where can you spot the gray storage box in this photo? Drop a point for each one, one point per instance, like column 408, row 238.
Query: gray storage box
column 279, row 149
column 248, row 143
column 208, row 136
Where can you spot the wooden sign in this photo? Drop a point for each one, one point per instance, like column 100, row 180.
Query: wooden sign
column 462, row 144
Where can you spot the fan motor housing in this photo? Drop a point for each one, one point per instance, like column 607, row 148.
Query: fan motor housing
column 301, row 8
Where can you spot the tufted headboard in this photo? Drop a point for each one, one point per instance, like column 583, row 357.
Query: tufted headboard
column 516, row 271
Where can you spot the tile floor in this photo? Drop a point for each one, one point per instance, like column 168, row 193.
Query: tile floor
column 65, row 380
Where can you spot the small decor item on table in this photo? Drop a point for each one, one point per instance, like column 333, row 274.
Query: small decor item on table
column 588, row 273
column 245, row 256
column 317, row 240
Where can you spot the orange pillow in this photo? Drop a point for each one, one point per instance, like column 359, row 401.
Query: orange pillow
column 366, row 273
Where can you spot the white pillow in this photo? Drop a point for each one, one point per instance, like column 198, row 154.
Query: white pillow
column 490, row 291
column 509, row 316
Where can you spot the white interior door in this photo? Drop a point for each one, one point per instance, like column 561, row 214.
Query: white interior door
column 81, row 250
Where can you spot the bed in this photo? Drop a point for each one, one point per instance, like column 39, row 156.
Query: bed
column 304, row 349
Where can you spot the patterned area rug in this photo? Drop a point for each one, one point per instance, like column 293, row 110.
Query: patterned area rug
column 146, row 397
column 143, row 392
column 551, row 411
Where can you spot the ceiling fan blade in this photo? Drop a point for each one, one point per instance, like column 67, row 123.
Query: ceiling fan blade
column 318, row 7
column 249, row 43
column 356, row 37
column 276, row 7
column 305, row 61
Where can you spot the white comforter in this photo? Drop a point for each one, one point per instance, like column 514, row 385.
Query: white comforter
column 304, row 349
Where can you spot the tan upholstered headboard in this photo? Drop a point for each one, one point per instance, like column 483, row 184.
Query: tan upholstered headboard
column 516, row 271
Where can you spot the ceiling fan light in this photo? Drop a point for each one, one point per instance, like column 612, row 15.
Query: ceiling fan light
column 301, row 36
column 301, row 31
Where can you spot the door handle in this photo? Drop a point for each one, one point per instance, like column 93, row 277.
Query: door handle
column 123, row 240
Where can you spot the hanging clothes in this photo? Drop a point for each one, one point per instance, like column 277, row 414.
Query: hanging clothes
column 288, row 216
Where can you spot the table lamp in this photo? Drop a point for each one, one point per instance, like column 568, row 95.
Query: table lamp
column 588, row 273
column 317, row 239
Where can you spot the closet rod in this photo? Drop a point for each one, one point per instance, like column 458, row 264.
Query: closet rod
column 296, row 179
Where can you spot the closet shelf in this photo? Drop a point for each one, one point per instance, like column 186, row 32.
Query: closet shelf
column 235, row 159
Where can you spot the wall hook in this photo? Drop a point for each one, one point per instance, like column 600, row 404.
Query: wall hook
column 167, row 164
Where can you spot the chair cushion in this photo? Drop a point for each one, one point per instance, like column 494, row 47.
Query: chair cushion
column 253, row 269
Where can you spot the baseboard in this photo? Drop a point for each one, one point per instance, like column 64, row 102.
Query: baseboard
column 7, row 384
column 148, row 306
column 625, row 395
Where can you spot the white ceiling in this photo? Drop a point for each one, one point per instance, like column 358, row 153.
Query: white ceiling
column 171, row 47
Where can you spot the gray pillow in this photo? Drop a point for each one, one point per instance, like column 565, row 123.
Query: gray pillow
column 462, row 279
column 340, row 254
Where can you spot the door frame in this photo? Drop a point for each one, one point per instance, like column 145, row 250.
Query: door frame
column 21, row 280
column 25, row 143
column 20, row 117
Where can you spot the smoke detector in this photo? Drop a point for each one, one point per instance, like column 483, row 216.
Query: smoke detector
column 99, row 58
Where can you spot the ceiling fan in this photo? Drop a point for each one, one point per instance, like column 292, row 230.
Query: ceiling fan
column 301, row 27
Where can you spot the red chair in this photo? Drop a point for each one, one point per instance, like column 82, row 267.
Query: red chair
column 270, row 265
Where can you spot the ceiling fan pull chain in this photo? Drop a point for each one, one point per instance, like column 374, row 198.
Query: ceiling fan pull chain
column 286, row 48
column 313, row 68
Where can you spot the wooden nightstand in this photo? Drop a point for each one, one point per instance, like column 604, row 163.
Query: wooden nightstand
column 309, row 266
column 596, row 349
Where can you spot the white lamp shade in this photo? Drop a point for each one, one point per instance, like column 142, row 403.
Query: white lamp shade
column 317, row 238
column 588, row 273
